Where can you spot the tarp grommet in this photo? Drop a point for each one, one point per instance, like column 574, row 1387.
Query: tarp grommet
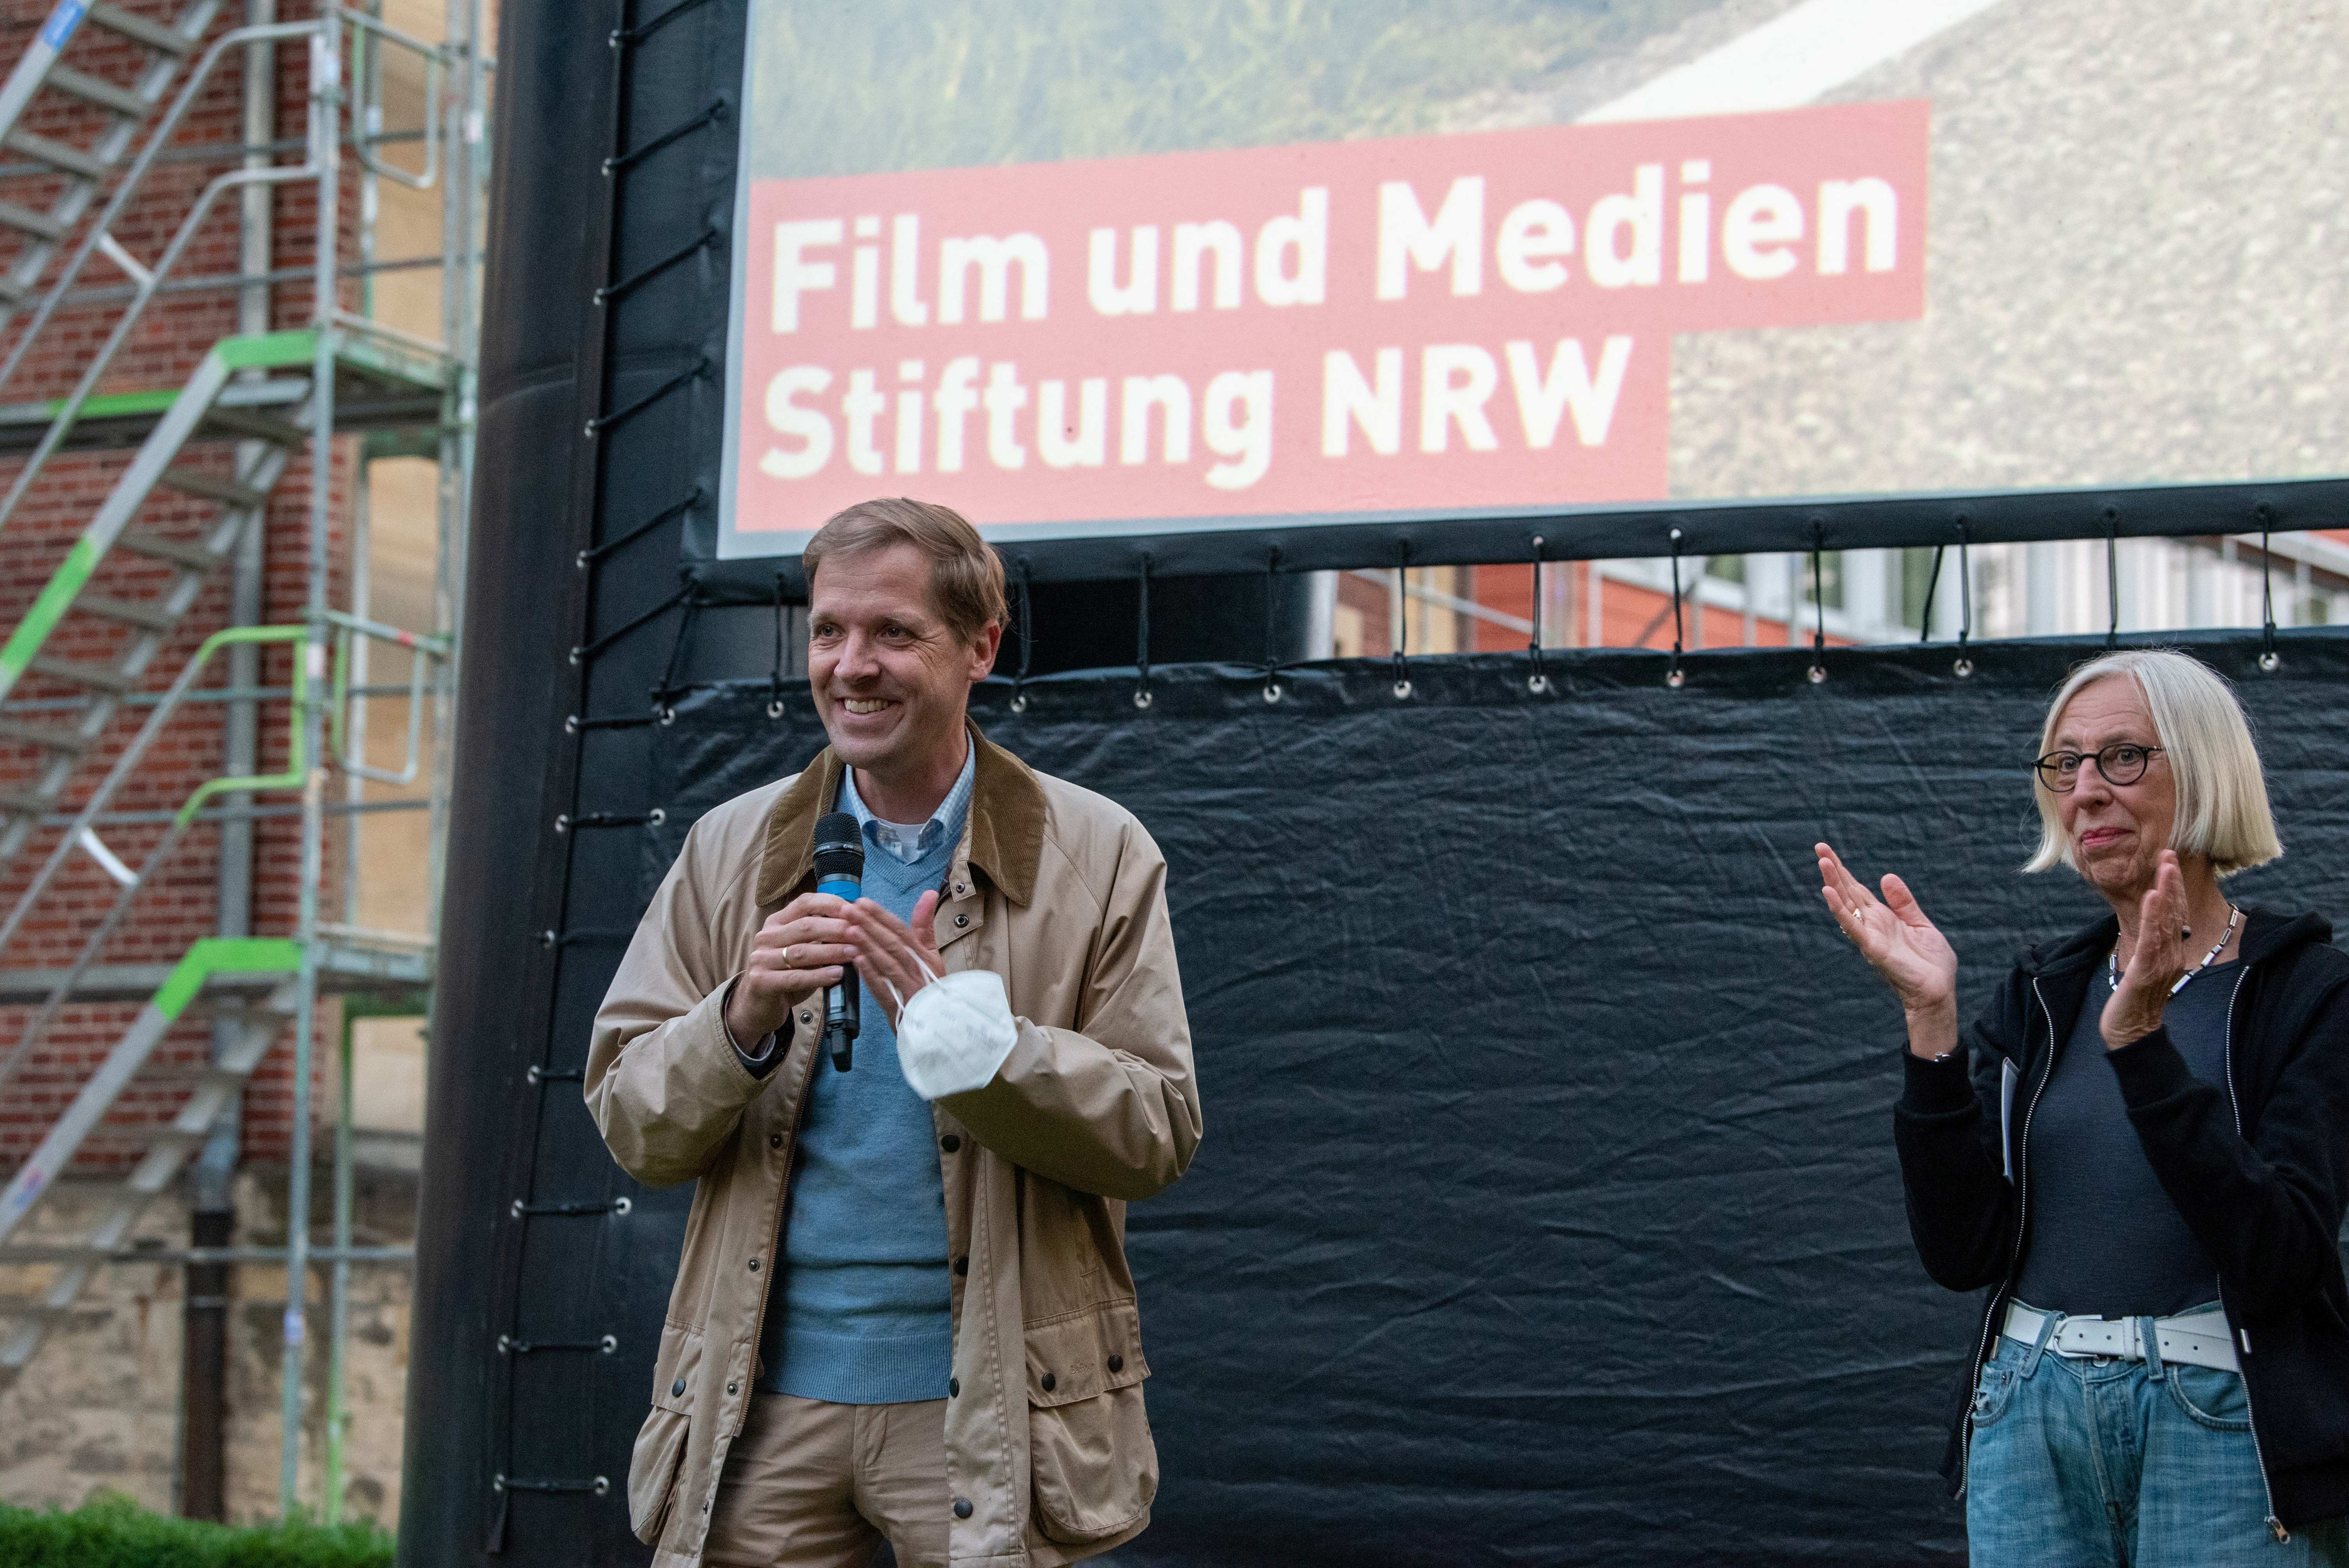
column 1142, row 638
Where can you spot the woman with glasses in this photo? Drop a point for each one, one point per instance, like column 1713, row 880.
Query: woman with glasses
column 2141, row 1147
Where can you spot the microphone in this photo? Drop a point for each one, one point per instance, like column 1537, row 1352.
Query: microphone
column 840, row 872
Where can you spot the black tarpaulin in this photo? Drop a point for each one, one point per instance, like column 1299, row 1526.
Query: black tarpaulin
column 1547, row 1210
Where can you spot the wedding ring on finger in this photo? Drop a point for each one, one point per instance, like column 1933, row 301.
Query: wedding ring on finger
column 787, row 956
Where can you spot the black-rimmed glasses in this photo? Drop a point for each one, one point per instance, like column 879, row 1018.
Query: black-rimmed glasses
column 2124, row 762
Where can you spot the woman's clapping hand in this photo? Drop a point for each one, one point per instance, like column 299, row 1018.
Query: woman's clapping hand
column 1901, row 945
column 2157, row 960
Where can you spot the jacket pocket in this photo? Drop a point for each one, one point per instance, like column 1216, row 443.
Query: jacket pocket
column 1089, row 1450
column 660, row 1452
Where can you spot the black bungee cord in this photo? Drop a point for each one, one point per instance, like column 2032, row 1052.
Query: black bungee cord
column 1674, row 677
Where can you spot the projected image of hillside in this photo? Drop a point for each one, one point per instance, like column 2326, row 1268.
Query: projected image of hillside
column 1097, row 268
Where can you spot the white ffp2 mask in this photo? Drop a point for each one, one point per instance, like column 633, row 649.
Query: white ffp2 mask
column 955, row 1033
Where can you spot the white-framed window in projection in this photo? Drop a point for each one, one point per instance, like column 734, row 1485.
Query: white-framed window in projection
column 1084, row 267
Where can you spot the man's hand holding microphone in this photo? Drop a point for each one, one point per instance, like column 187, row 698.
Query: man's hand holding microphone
column 810, row 943
column 801, row 949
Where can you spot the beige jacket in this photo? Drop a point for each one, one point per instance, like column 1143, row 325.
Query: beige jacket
column 1060, row 892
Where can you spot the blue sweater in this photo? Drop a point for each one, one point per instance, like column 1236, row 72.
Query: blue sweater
column 860, row 1314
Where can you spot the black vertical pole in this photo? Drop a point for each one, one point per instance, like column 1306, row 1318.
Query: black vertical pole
column 203, row 1372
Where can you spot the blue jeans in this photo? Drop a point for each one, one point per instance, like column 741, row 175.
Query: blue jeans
column 2114, row 1464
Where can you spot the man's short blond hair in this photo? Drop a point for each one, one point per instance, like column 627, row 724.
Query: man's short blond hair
column 2222, row 794
column 965, row 574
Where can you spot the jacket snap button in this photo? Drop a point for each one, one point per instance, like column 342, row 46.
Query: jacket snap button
column 962, row 1264
column 1117, row 1363
column 950, row 1144
column 807, row 1017
column 954, row 1388
column 733, row 1388
column 962, row 920
column 676, row 1389
column 962, row 1508
column 754, row 1265
column 1047, row 1382
column 775, row 1141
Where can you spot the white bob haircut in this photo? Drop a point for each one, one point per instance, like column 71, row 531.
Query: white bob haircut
column 2223, row 796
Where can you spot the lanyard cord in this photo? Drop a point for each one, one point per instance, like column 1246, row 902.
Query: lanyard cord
column 2234, row 918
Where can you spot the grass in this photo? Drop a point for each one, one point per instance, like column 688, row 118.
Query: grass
column 851, row 86
column 110, row 1530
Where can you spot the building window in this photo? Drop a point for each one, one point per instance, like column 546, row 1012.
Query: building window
column 1824, row 586
column 1915, row 587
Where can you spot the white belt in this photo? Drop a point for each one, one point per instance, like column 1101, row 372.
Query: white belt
column 2202, row 1339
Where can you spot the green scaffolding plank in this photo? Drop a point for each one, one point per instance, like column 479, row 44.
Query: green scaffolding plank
column 139, row 405
column 290, row 349
column 295, row 349
column 224, row 955
column 212, row 956
column 298, row 349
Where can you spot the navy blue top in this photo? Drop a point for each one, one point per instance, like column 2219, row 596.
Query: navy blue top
column 2105, row 1241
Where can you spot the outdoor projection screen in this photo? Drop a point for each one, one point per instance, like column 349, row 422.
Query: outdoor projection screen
column 1088, row 268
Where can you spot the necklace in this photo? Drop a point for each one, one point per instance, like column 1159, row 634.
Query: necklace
column 2234, row 918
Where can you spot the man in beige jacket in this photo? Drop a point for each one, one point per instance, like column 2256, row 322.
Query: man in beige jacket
column 934, row 1343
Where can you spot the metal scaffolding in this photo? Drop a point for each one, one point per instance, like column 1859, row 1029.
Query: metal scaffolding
column 273, row 395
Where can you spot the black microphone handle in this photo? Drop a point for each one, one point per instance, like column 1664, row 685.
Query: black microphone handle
column 840, row 872
column 843, row 1019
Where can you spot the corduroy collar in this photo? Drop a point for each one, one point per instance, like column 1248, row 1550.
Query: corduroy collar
column 1005, row 835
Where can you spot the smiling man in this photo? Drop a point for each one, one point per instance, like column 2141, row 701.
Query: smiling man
column 903, row 1310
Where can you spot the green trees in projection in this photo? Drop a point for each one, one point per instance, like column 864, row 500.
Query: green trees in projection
column 853, row 87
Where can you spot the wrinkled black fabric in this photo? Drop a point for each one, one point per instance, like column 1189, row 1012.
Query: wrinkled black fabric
column 1549, row 1210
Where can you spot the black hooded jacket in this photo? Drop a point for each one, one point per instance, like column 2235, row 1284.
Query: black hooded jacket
column 2258, row 1166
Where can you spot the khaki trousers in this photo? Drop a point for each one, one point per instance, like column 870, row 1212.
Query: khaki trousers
column 815, row 1485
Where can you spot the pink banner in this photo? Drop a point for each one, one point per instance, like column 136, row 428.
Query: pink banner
column 1455, row 323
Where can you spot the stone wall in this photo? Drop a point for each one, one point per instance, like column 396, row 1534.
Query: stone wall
column 98, row 1406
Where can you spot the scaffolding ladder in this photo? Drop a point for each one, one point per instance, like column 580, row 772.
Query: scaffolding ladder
column 269, row 396
column 377, row 383
column 81, row 170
